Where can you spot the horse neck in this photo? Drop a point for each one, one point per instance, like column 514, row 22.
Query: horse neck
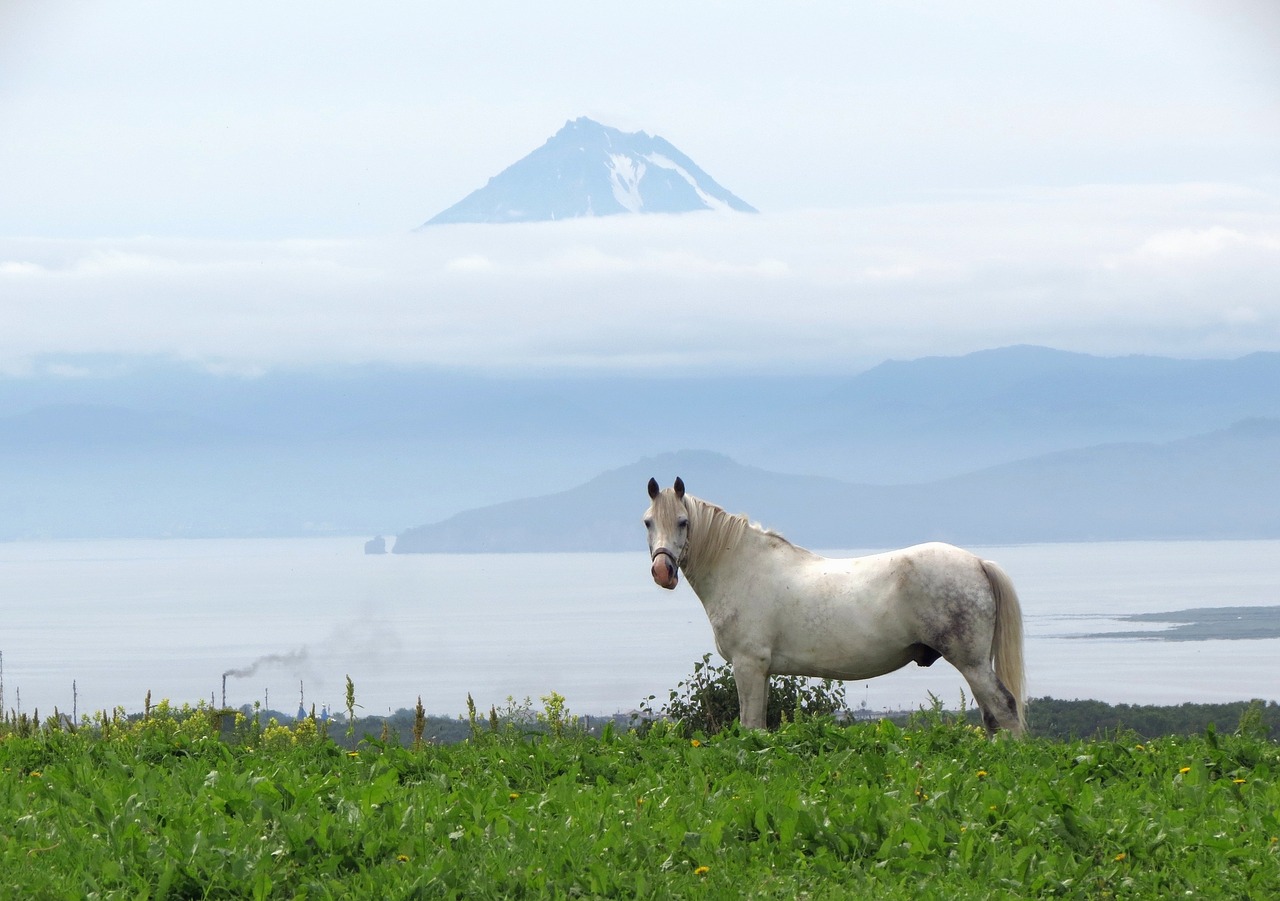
column 715, row 539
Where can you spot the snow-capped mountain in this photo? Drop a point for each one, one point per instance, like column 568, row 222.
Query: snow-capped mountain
column 589, row 169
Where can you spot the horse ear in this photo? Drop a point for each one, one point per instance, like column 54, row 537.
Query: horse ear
column 679, row 488
column 653, row 488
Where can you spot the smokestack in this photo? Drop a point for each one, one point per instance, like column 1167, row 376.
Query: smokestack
column 289, row 660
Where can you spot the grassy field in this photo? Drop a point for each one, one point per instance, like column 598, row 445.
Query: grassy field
column 176, row 805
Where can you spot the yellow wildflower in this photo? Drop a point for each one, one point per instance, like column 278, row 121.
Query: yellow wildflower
column 1121, row 856
column 513, row 795
column 403, row 858
column 702, row 871
column 982, row 774
column 1185, row 770
column 696, row 743
column 1238, row 781
column 353, row 753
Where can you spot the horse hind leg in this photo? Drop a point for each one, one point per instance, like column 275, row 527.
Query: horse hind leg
column 999, row 710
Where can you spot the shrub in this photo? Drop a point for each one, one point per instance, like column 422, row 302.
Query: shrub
column 707, row 701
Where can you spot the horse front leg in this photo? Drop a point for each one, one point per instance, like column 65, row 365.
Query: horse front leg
column 752, row 679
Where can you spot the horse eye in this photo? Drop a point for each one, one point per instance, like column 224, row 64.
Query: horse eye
column 682, row 523
column 648, row 522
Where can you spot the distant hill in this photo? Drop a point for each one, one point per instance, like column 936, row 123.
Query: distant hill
column 1221, row 485
column 153, row 449
column 589, row 169
column 916, row 420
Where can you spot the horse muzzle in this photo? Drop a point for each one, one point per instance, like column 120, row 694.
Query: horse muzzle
column 665, row 571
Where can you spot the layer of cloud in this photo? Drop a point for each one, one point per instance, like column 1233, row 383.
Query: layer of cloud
column 1184, row 270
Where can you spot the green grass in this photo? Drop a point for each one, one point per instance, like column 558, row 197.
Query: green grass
column 167, row 808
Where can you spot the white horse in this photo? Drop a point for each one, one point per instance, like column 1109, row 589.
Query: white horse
column 776, row 608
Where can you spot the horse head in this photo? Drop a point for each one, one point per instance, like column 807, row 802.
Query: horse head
column 667, row 521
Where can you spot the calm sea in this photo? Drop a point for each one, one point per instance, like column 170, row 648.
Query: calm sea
column 292, row 618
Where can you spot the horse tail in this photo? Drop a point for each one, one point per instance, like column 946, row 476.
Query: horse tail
column 1006, row 648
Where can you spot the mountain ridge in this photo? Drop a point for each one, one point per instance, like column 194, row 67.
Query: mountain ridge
column 155, row 450
column 1124, row 491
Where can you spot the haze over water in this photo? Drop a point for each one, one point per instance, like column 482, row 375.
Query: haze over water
column 121, row 618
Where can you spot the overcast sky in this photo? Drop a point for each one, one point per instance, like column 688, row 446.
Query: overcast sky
column 236, row 183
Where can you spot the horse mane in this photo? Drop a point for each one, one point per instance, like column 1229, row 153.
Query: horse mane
column 714, row 532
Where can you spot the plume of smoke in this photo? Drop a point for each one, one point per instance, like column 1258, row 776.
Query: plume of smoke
column 288, row 660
